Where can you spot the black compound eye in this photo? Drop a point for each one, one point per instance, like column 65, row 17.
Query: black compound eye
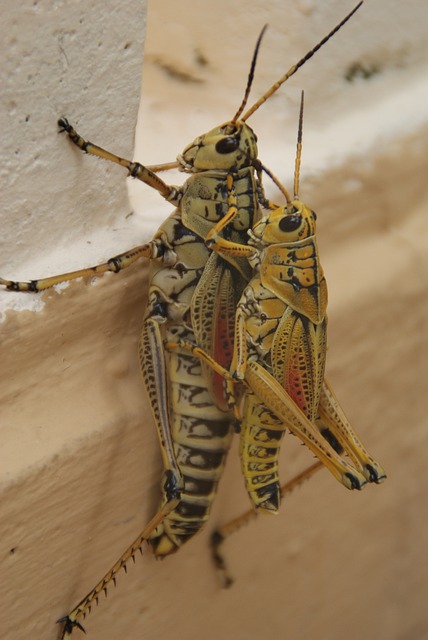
column 290, row 223
column 227, row 145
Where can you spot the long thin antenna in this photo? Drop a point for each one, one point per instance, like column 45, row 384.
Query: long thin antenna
column 250, row 75
column 297, row 66
column 259, row 167
column 299, row 149
column 275, row 181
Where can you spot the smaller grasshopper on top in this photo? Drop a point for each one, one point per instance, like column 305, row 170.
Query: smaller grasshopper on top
column 280, row 353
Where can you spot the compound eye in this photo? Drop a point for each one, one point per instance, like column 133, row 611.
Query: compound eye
column 227, row 145
column 290, row 223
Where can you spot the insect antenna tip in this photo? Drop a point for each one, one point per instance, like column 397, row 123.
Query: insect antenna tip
column 299, row 148
column 250, row 75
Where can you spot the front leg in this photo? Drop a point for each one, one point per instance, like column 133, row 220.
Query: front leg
column 215, row 241
column 136, row 170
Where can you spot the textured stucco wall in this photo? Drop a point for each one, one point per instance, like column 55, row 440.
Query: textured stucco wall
column 79, row 461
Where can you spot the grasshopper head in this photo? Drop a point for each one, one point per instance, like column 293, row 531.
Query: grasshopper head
column 231, row 146
column 285, row 225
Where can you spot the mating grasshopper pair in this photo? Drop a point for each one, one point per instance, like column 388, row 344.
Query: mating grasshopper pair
column 233, row 296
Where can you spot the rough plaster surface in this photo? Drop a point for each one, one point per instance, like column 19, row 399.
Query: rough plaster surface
column 83, row 62
column 79, row 461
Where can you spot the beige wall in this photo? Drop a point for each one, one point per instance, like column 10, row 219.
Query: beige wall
column 79, row 459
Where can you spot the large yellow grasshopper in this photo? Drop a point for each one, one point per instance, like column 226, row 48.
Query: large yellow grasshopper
column 193, row 296
column 280, row 352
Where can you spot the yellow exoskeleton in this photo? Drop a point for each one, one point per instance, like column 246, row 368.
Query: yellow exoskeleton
column 193, row 296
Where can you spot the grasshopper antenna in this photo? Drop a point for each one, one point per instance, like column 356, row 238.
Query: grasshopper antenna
column 297, row 66
column 297, row 163
column 250, row 75
column 299, row 149
column 275, row 180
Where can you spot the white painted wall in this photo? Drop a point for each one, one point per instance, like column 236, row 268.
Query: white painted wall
column 81, row 60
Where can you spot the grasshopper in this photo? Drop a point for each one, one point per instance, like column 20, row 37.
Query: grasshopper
column 280, row 352
column 187, row 278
